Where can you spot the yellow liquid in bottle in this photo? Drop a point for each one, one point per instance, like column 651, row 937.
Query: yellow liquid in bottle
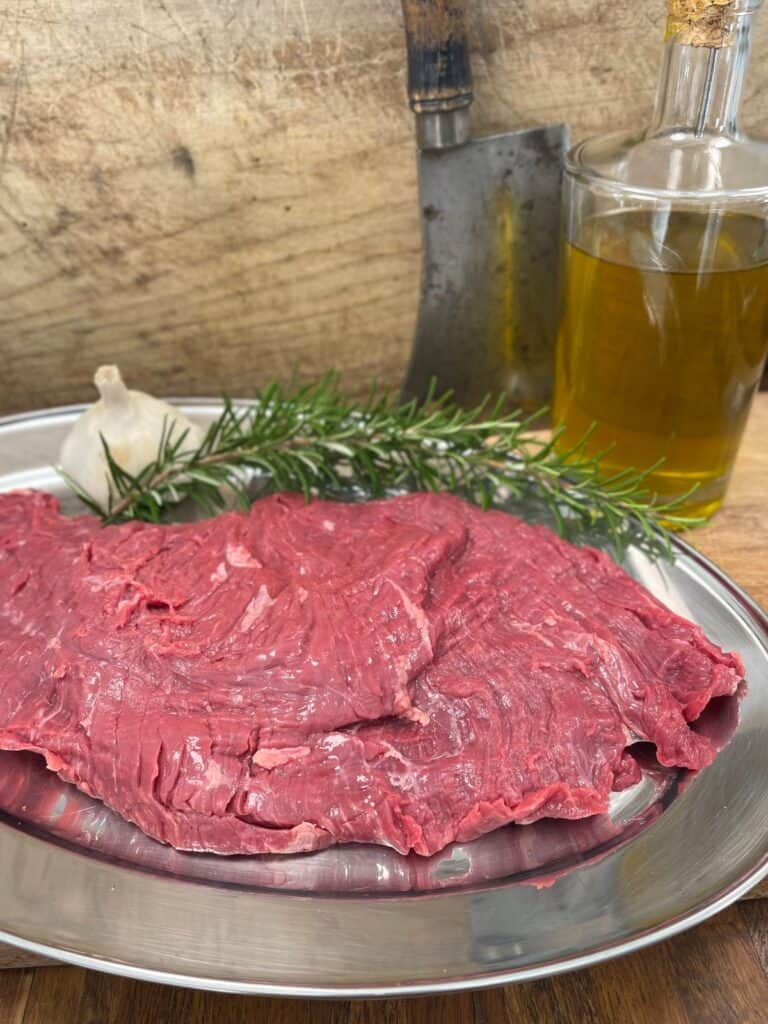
column 664, row 357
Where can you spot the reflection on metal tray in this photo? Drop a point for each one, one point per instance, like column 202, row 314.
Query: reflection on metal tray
column 36, row 800
column 522, row 902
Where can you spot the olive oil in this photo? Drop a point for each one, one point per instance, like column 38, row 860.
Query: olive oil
column 661, row 343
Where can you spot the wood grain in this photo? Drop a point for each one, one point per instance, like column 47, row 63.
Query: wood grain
column 755, row 915
column 712, row 975
column 213, row 192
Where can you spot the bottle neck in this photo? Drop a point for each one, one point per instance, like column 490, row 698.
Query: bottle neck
column 703, row 72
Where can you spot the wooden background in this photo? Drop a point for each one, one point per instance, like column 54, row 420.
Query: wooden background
column 211, row 192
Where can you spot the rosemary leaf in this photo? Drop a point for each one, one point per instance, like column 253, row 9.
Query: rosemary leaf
column 315, row 440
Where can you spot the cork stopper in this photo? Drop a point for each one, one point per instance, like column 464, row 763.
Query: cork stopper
column 701, row 22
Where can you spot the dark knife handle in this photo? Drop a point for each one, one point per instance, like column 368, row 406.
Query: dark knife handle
column 439, row 72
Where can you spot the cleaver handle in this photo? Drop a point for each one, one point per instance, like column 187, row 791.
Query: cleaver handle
column 439, row 72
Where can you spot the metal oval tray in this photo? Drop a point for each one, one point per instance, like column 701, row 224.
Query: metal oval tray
column 80, row 884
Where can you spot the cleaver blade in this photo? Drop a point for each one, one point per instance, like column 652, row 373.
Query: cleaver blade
column 491, row 230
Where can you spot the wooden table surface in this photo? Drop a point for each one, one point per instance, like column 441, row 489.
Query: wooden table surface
column 716, row 973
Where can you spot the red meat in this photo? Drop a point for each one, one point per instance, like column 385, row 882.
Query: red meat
column 407, row 672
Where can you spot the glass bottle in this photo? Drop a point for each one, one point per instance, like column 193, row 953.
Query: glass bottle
column 664, row 327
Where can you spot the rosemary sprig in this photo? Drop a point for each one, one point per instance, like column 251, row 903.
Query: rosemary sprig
column 316, row 441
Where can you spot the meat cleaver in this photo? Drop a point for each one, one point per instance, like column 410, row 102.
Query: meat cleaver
column 491, row 228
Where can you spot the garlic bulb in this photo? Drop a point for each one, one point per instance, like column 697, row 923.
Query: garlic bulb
column 130, row 422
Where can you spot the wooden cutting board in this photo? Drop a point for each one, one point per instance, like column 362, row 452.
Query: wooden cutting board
column 215, row 192
column 737, row 540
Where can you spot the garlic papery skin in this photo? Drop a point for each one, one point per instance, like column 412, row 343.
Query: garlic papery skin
column 132, row 424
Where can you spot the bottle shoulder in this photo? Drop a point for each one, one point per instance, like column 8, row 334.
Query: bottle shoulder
column 674, row 162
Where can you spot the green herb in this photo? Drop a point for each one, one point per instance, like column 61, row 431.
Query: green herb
column 317, row 441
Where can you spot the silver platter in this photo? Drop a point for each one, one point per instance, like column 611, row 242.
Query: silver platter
column 83, row 886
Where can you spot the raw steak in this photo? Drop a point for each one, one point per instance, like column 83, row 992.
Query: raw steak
column 407, row 672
